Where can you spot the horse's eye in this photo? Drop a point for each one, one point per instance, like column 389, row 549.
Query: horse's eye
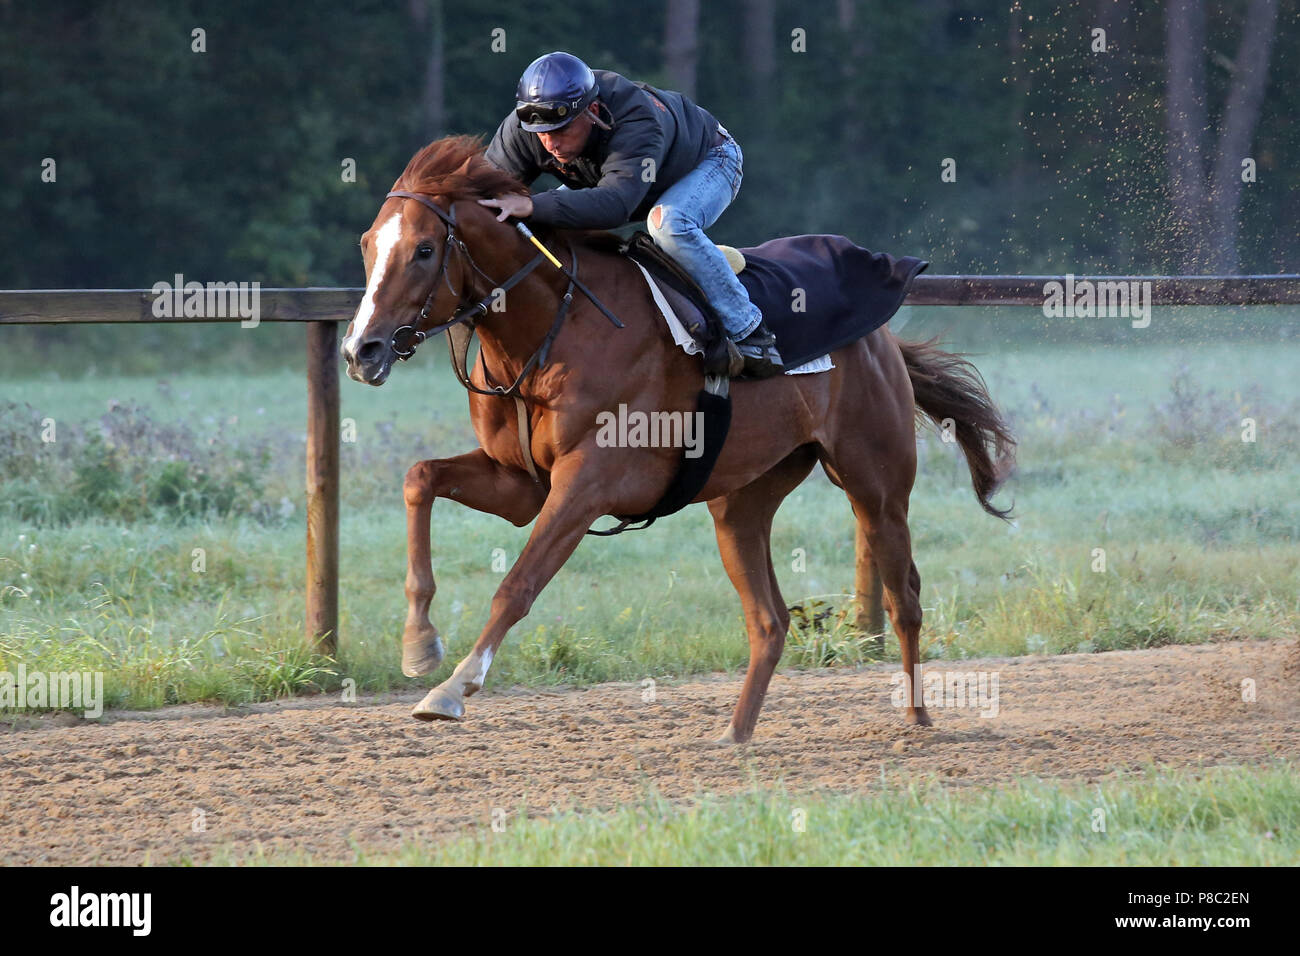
column 424, row 252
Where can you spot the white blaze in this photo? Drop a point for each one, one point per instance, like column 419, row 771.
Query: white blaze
column 385, row 239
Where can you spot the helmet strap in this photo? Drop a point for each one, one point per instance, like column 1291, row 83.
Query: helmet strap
column 596, row 118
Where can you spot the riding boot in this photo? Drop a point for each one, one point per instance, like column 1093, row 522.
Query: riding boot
column 758, row 349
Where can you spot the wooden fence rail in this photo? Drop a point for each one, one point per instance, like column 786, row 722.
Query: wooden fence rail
column 54, row 306
column 322, row 309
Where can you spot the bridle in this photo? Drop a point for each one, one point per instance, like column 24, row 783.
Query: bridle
column 468, row 315
column 462, row 315
column 460, row 327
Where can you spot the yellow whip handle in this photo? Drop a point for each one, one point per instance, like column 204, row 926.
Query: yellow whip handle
column 528, row 234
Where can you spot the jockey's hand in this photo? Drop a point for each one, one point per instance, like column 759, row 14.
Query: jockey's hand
column 511, row 204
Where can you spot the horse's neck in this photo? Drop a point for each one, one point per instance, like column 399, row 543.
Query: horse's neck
column 511, row 337
column 513, row 334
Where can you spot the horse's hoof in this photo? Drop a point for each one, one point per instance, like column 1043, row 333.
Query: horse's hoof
column 422, row 655
column 729, row 739
column 918, row 717
column 440, row 704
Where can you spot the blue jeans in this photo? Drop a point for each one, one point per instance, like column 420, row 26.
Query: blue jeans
column 677, row 224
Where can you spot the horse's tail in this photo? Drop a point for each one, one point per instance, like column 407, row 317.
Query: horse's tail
column 951, row 392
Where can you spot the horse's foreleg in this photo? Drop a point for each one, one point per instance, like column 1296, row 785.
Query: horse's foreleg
column 564, row 518
column 474, row 480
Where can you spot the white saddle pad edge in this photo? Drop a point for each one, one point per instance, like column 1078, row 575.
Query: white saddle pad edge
column 688, row 344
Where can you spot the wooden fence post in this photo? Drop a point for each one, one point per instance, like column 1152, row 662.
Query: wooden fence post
column 323, row 486
column 870, row 591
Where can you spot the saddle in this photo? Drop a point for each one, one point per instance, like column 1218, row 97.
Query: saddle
column 700, row 318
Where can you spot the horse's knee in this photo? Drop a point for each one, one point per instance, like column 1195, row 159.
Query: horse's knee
column 769, row 652
column 417, row 486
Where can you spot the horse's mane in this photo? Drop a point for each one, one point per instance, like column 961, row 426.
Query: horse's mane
column 455, row 168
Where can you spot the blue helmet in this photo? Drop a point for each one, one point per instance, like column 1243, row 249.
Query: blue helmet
column 553, row 90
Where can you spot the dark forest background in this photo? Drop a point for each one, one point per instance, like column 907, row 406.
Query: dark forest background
column 227, row 164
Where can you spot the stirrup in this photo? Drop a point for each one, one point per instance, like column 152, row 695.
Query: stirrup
column 758, row 350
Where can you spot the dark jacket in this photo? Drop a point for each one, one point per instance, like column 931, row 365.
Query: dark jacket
column 607, row 183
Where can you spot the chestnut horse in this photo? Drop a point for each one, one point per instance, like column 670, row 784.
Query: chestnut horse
column 858, row 420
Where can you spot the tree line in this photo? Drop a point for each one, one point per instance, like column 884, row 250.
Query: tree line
column 254, row 140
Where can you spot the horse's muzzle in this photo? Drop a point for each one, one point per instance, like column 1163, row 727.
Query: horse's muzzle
column 371, row 363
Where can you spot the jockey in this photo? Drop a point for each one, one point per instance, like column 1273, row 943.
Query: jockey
column 626, row 151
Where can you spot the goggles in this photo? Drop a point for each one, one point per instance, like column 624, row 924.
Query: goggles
column 544, row 117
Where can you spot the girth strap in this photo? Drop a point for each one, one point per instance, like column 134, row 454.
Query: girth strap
column 714, row 406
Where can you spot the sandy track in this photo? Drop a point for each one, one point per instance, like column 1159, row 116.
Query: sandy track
column 314, row 774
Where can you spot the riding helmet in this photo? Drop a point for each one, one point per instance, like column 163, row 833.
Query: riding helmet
column 553, row 90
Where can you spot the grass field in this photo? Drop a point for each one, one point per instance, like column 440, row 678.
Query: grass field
column 1158, row 818
column 1131, row 442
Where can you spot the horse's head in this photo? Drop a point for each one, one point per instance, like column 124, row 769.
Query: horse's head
column 416, row 272
column 406, row 255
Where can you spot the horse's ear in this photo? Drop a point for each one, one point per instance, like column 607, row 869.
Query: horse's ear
column 463, row 168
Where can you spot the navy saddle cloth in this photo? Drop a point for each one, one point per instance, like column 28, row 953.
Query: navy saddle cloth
column 844, row 291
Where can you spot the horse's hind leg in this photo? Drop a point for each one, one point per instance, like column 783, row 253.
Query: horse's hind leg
column 480, row 483
column 890, row 545
column 880, row 500
column 743, row 522
column 885, row 542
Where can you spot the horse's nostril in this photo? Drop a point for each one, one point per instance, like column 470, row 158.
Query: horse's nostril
column 370, row 352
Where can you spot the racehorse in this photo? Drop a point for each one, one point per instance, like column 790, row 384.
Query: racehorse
column 433, row 252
